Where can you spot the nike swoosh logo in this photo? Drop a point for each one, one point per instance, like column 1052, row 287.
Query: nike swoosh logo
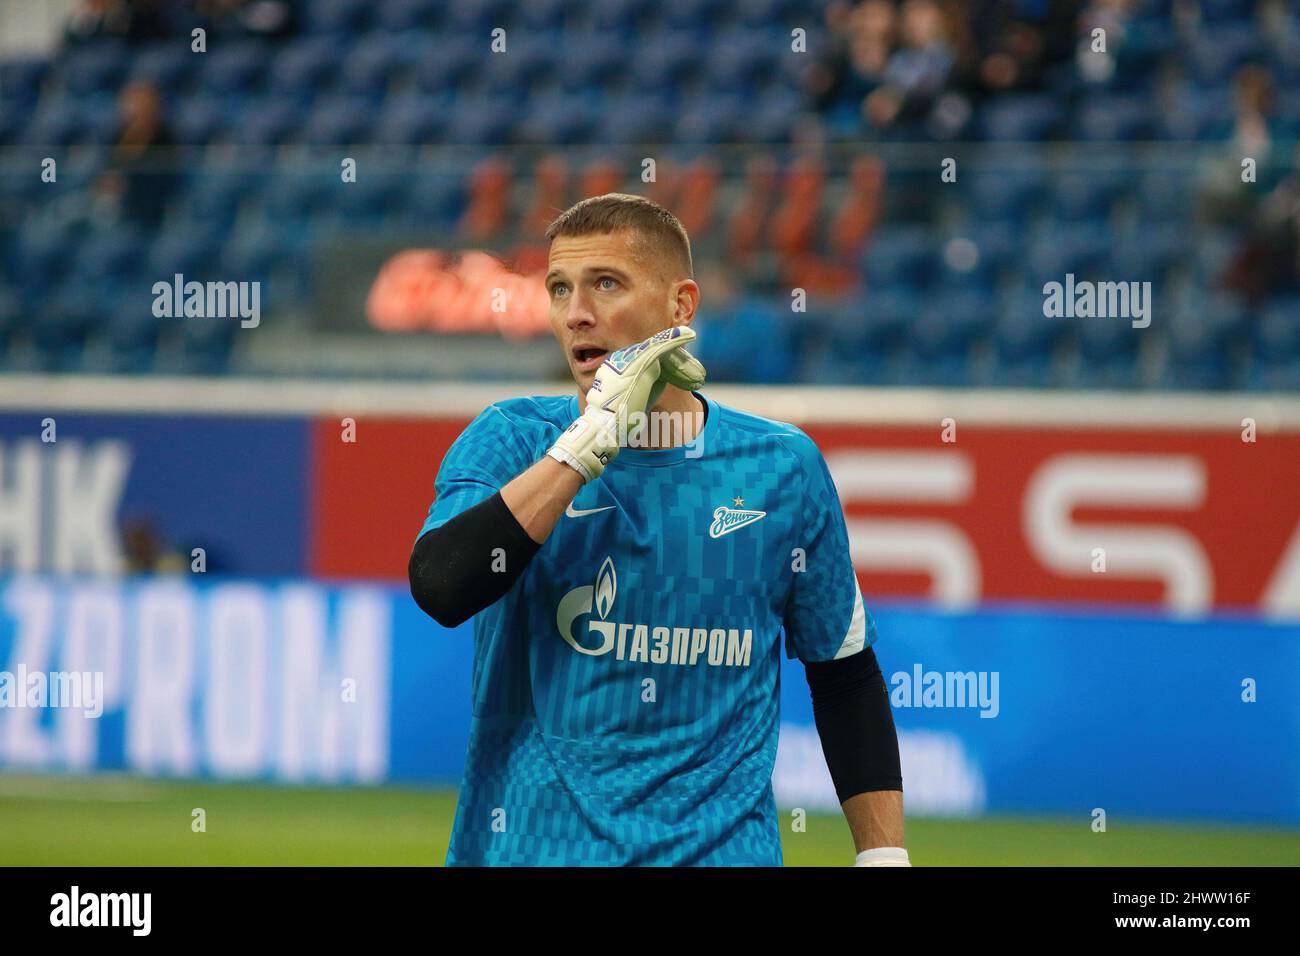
column 574, row 513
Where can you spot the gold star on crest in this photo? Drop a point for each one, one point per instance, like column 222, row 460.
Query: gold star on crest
column 738, row 502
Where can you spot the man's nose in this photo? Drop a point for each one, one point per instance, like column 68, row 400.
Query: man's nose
column 579, row 313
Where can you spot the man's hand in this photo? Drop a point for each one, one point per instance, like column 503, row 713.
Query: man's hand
column 630, row 380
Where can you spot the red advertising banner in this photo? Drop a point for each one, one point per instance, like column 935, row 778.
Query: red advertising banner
column 1178, row 518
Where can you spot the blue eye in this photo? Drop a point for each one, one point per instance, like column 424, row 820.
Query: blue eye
column 608, row 279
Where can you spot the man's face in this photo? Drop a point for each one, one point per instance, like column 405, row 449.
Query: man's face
column 606, row 293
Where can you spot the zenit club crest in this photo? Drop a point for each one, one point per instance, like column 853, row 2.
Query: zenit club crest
column 727, row 520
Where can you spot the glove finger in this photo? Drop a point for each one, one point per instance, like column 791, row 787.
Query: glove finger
column 681, row 369
column 644, row 353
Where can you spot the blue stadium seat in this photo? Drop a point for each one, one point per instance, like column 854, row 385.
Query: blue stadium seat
column 60, row 123
column 1201, row 334
column 1146, row 39
column 305, row 67
column 1079, row 197
column 21, row 79
column 950, row 326
column 168, row 65
column 996, row 243
column 42, row 255
column 373, row 199
column 132, row 335
column 1164, row 193
column 1026, row 340
column 107, row 255
column 202, row 120
column 590, row 60
column 900, row 256
column 548, row 18
column 1054, row 251
column 269, row 121
column 214, row 198
column 433, row 202
column 962, row 268
column 1108, row 341
column 725, row 337
column 340, row 17
column 233, row 66
column 448, row 65
column 193, row 250
column 636, row 118
column 620, row 16
column 526, row 64
column 740, row 60
column 206, row 344
column 339, row 120
column 1220, row 12
column 64, row 322
column 1022, row 117
column 1116, row 118
column 773, row 120
column 562, row 119
column 711, row 118
column 485, row 119
column 372, row 64
column 883, row 316
column 1284, row 60
column 411, row 120
column 1215, row 53
column 765, row 13
column 291, row 200
column 1277, row 334
column 1149, row 251
column 1213, row 252
column 478, row 17
column 399, row 15
column 93, row 69
column 1002, row 195
column 667, row 61
column 13, row 121
column 257, row 252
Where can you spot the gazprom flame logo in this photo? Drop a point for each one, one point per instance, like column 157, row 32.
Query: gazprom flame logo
column 606, row 588
column 579, row 601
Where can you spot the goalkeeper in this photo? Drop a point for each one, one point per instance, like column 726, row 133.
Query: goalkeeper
column 633, row 554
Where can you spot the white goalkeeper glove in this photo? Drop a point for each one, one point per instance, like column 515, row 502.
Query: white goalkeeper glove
column 883, row 856
column 629, row 380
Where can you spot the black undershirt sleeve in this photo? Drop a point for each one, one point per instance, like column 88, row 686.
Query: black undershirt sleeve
column 856, row 726
column 452, row 568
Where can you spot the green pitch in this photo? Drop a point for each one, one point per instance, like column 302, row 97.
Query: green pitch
column 125, row 821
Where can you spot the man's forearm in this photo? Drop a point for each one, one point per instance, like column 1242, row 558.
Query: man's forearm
column 875, row 818
column 538, row 496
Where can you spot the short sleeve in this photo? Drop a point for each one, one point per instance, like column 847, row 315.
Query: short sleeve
column 825, row 618
column 493, row 449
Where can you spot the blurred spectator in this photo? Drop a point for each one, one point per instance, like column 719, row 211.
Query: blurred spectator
column 917, row 72
column 145, row 553
column 140, row 177
column 862, row 38
column 1267, row 262
column 262, row 18
column 1013, row 49
column 133, row 21
column 1225, row 197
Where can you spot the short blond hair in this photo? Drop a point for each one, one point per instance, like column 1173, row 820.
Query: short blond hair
column 659, row 229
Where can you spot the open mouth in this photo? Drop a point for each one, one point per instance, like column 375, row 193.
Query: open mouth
column 588, row 357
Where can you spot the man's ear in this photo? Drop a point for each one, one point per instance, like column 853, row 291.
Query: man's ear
column 686, row 298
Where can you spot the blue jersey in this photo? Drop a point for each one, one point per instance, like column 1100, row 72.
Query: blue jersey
column 625, row 690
